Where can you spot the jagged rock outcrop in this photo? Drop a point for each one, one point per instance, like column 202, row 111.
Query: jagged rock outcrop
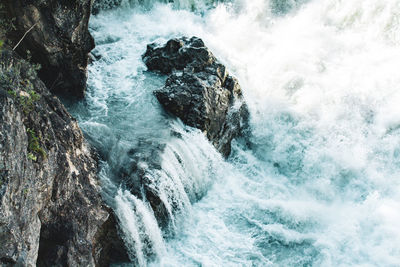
column 51, row 213
column 59, row 41
column 199, row 90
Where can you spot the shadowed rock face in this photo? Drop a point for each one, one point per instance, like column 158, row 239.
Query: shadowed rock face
column 60, row 41
column 51, row 212
column 199, row 90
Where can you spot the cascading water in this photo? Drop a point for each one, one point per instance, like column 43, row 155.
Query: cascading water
column 320, row 183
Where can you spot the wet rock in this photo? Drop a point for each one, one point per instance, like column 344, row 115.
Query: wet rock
column 51, row 212
column 176, row 54
column 136, row 176
column 109, row 247
column 199, row 90
column 59, row 41
column 99, row 5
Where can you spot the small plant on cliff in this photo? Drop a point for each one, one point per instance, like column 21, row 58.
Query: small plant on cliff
column 21, row 89
column 34, row 146
column 10, row 73
column 32, row 157
column 27, row 101
column 12, row 93
column 26, row 191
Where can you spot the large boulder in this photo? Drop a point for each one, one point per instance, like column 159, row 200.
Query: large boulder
column 59, row 40
column 51, row 211
column 199, row 90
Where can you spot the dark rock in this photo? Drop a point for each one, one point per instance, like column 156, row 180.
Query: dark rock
column 60, row 41
column 109, row 247
column 176, row 54
column 99, row 5
column 199, row 90
column 51, row 212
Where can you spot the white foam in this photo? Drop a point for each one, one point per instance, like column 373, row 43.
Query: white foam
column 320, row 185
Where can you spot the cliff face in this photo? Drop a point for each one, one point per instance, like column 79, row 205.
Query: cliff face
column 59, row 40
column 51, row 212
column 50, row 207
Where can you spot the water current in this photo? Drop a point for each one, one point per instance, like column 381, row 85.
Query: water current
column 320, row 183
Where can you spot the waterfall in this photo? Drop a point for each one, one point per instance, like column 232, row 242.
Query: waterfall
column 319, row 184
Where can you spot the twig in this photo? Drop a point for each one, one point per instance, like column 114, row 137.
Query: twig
column 15, row 47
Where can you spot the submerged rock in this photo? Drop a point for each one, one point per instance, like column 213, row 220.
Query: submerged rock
column 51, row 212
column 135, row 175
column 59, row 40
column 199, row 90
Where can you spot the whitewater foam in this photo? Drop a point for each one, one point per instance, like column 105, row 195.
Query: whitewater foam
column 319, row 185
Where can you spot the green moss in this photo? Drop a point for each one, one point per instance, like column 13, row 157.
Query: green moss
column 26, row 191
column 34, row 147
column 10, row 78
column 12, row 93
column 32, row 157
column 28, row 102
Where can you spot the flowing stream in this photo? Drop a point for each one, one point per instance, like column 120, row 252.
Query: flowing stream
column 320, row 183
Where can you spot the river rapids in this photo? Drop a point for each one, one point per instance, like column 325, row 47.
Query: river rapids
column 319, row 184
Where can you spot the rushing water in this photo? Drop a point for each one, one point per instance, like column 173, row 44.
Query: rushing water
column 320, row 184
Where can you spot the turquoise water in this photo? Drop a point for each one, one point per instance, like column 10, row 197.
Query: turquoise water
column 320, row 183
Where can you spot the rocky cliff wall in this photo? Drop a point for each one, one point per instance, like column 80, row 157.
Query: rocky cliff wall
column 51, row 212
column 58, row 40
